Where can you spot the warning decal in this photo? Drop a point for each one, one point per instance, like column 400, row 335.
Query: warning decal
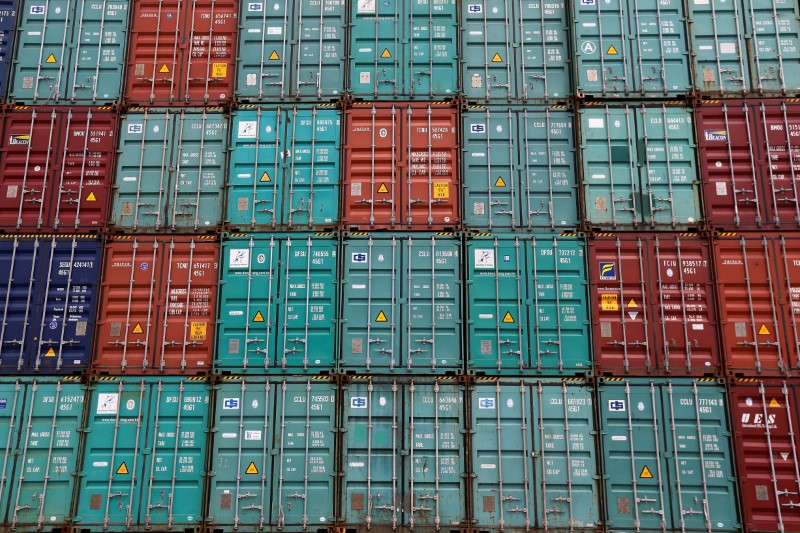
column 500, row 182
column 123, row 468
column 137, row 328
column 219, row 70
column 611, row 50
column 274, row 55
column 383, row 189
column 608, row 302
column 763, row 330
column 50, row 59
column 251, row 468
column 50, row 353
column 265, row 177
column 632, row 303
column 774, row 403
column 258, row 317
column 164, row 69
column 381, row 317
column 386, row 54
column 198, row 331
column 497, row 59
column 507, row 318
column 441, row 189
column 91, row 197
column 646, row 474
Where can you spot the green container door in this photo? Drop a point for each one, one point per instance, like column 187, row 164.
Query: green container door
column 639, row 168
column 144, row 454
column 273, row 462
column 70, row 52
column 403, row 456
column 667, row 456
column 284, row 168
column 533, row 456
column 171, row 171
column 774, row 28
column 278, row 296
column 404, row 49
column 401, row 303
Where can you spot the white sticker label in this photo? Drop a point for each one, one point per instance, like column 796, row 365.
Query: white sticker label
column 252, row 435
column 100, row 464
column 722, row 188
column 474, row 8
column 248, row 129
column 229, row 435
column 239, row 259
column 597, row 123
column 488, row 466
column 619, row 437
column 366, row 6
column 727, row 48
column 273, row 30
column 255, row 6
column 355, row 464
column 484, row 258
column 697, row 327
column 365, row 77
column 107, row 403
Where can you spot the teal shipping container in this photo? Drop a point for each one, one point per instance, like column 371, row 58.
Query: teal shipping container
column 284, row 168
column 401, row 303
column 70, row 52
column 277, row 304
column 631, row 48
column 406, row 49
column 170, row 172
column 403, row 454
column 273, row 464
column 747, row 48
column 639, row 167
column 144, row 455
column 519, row 169
column 515, row 50
column 291, row 50
column 527, row 305
column 533, row 451
column 41, row 426
column 667, row 457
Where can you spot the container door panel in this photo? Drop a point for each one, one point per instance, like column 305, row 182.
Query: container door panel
column 431, row 53
column 13, row 418
column 545, row 65
column 319, row 62
column 718, row 37
column 603, row 55
column 210, row 35
column 155, row 57
column 779, row 161
column 8, row 27
column 787, row 278
column 20, row 264
column 774, row 28
column 487, row 37
column 376, row 49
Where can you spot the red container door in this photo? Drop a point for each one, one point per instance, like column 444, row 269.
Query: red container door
column 765, row 422
column 155, row 54
column 787, row 257
column 779, row 161
column 210, row 63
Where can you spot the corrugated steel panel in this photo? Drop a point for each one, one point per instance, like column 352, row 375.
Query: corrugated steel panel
column 653, row 305
column 56, row 166
column 158, row 305
column 639, row 167
column 284, row 168
column 403, row 455
column 667, row 457
column 278, row 304
column 144, row 462
column 171, row 170
column 8, row 27
column 70, row 52
column 527, row 306
column 533, row 451
column 182, row 53
column 401, row 167
column 273, row 455
column 401, row 303
column 291, row 50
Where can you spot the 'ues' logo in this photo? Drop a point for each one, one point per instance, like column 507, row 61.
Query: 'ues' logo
column 757, row 418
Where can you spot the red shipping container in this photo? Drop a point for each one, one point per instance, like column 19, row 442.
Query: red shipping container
column 157, row 306
column 750, row 163
column 765, row 421
column 758, row 285
column 56, row 167
column 653, row 310
column 182, row 53
column 401, row 167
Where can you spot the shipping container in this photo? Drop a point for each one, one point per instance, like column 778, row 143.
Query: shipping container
column 277, row 304
column 406, row 49
column 527, row 307
column 515, row 51
column 158, row 305
column 182, row 53
column 144, row 462
column 631, row 49
column 274, row 455
column 50, row 285
column 518, row 169
column 42, row 420
column 653, row 305
column 292, row 51
column 400, row 307
column 765, row 419
column 8, row 27
column 667, row 457
column 401, row 167
column 533, row 452
column 70, row 52
column 639, row 168
column 750, row 164
column 758, row 286
column 56, row 167
column 170, row 171
column 403, row 454
column 284, row 168
column 748, row 48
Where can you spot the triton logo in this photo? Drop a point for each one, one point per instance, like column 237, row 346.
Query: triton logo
column 608, row 271
column 19, row 139
column 716, row 135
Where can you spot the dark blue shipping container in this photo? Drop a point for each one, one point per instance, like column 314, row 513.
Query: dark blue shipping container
column 8, row 22
column 48, row 300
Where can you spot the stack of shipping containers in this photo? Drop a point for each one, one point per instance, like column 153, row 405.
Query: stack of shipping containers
column 347, row 265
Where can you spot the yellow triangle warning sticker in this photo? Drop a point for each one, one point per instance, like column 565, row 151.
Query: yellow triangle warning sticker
column 386, row 53
column 50, row 352
column 500, row 182
column 632, row 303
column 164, row 69
column 274, row 55
column 259, row 317
column 383, row 188
column 265, row 177
column 774, row 403
column 251, row 468
column 50, row 59
column 381, row 317
column 497, row 59
column 137, row 328
column 646, row 474
column 91, row 197
column 123, row 468
column 612, row 52
column 763, row 330
column 508, row 319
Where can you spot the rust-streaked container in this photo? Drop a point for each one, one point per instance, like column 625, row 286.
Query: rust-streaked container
column 157, row 306
column 765, row 421
column 56, row 166
column 758, row 286
column 401, row 167
column 749, row 155
column 182, row 53
column 653, row 307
